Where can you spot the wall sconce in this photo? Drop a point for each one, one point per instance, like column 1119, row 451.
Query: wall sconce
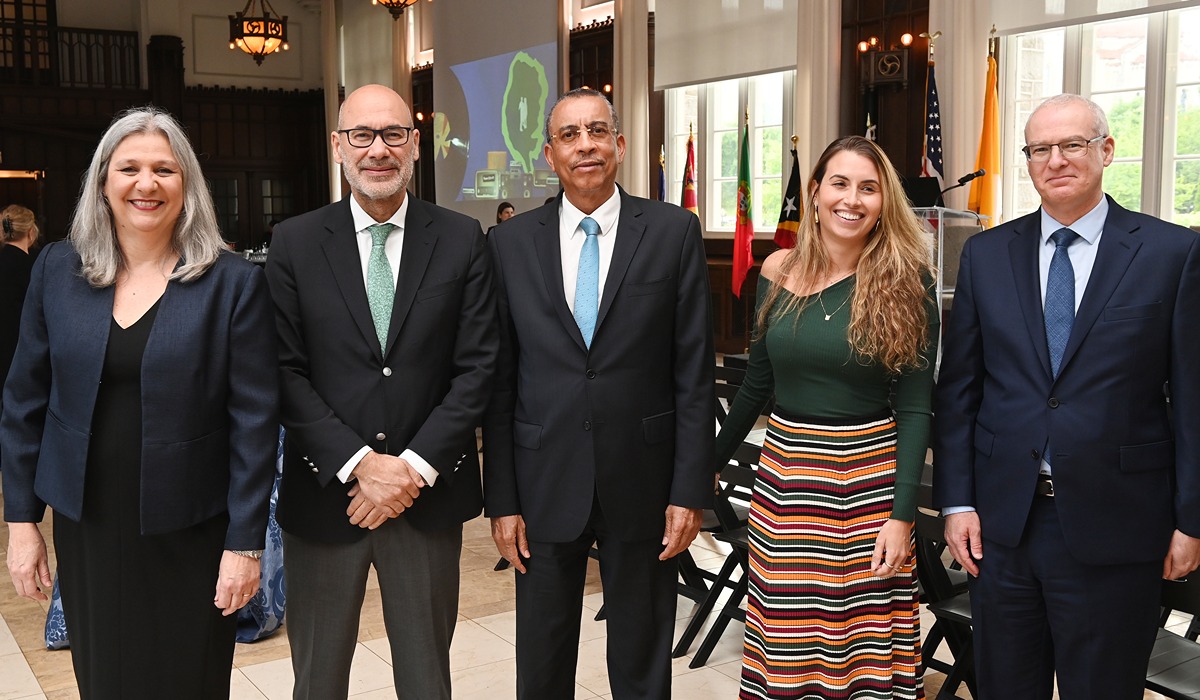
column 878, row 67
column 258, row 35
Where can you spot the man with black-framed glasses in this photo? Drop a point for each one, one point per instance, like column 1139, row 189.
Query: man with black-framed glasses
column 388, row 342
column 1068, row 487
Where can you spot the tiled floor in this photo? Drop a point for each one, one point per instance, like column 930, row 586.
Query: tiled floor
column 482, row 656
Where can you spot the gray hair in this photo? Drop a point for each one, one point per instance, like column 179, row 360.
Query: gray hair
column 1099, row 120
column 584, row 92
column 196, row 238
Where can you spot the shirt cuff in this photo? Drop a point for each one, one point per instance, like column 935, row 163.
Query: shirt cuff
column 954, row 510
column 343, row 474
column 426, row 470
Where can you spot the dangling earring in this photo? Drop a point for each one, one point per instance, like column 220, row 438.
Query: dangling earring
column 816, row 216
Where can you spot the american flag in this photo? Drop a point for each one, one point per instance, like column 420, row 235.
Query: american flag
column 931, row 160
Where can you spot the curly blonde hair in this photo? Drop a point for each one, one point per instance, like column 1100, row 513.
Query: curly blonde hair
column 889, row 319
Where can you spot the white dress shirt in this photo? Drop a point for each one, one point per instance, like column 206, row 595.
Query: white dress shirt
column 571, row 238
column 392, row 248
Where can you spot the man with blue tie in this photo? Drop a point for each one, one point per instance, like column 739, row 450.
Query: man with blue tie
column 600, row 427
column 1065, row 448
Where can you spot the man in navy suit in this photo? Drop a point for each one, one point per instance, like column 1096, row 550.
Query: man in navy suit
column 601, row 425
column 1066, row 453
column 387, row 342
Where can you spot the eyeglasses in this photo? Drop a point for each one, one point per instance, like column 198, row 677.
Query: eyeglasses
column 363, row 138
column 599, row 131
column 1068, row 149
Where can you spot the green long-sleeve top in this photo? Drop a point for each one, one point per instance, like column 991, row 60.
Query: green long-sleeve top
column 812, row 371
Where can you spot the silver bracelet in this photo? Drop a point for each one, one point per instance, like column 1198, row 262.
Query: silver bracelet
column 252, row 553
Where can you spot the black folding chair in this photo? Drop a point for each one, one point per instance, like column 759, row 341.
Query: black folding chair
column 951, row 609
column 1174, row 669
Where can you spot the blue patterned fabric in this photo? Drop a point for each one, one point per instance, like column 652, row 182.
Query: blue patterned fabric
column 1060, row 297
column 56, row 624
column 587, row 285
column 263, row 615
column 260, row 618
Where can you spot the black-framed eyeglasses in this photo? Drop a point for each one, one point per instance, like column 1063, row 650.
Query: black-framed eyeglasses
column 596, row 130
column 391, row 135
column 1075, row 148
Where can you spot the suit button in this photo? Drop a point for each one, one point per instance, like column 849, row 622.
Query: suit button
column 1052, row 403
column 587, row 425
column 387, row 371
column 380, row 436
column 591, row 374
column 1035, row 454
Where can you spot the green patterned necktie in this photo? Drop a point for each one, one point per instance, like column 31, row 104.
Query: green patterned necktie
column 381, row 286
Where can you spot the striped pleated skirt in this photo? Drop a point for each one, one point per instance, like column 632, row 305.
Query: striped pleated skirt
column 819, row 624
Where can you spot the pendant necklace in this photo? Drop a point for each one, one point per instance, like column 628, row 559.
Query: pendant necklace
column 829, row 314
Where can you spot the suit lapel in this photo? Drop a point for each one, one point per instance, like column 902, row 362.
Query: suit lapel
column 419, row 242
column 630, row 229
column 549, row 253
column 1117, row 248
column 1023, row 254
column 341, row 250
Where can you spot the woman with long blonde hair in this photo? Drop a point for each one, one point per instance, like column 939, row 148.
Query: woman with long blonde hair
column 845, row 339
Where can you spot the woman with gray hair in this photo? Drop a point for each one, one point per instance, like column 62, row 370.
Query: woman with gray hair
column 143, row 411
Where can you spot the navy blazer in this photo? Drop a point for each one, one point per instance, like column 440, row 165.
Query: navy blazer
column 425, row 390
column 629, row 420
column 209, row 398
column 1125, row 476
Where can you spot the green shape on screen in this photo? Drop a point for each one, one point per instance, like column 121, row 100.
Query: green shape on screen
column 524, row 106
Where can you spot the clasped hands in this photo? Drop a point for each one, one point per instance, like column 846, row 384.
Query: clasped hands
column 384, row 487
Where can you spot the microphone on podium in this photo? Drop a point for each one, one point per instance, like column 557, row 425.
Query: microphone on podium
column 965, row 179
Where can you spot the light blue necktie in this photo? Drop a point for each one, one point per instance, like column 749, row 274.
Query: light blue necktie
column 381, row 286
column 587, row 284
column 1060, row 298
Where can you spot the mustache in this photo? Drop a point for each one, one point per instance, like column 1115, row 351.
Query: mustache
column 381, row 163
column 587, row 161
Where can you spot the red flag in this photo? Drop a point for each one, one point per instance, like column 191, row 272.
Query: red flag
column 792, row 209
column 688, row 199
column 743, row 235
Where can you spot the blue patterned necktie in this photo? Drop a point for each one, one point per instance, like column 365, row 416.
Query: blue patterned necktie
column 1060, row 298
column 587, row 284
column 381, row 286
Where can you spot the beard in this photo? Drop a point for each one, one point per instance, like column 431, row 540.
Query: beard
column 377, row 189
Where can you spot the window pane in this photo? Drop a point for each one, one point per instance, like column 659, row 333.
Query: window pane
column 1124, row 182
column 726, row 214
column 1118, row 60
column 1187, row 193
column 1188, row 68
column 768, row 142
column 685, row 105
column 768, row 99
column 725, row 155
column 724, row 105
column 1125, row 111
column 1187, row 121
column 767, row 202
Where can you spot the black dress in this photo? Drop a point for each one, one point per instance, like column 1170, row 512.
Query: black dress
column 139, row 609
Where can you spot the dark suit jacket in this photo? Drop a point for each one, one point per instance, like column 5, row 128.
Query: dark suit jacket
column 340, row 391
column 632, row 420
column 1124, row 478
column 209, row 398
